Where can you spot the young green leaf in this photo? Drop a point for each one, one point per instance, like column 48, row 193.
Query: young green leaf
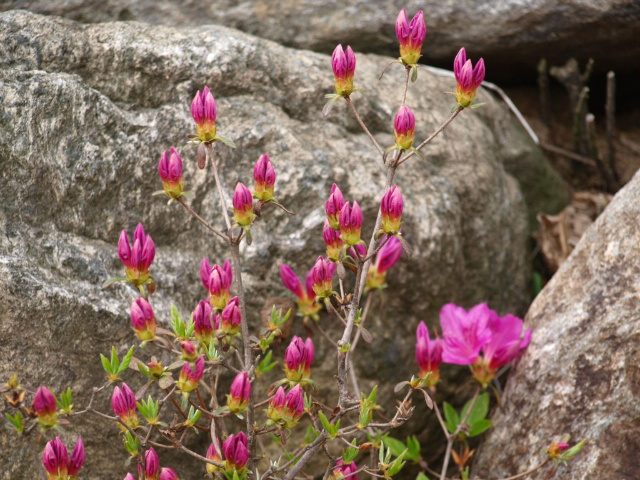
column 479, row 427
column 395, row 445
column 451, row 418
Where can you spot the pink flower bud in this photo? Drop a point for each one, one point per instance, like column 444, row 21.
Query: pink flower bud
column 123, row 403
column 189, row 377
column 468, row 78
column 213, row 453
column 298, row 359
column 278, row 400
column 203, row 111
column 294, row 403
column 348, row 470
column 428, row 354
column 391, row 208
column 202, row 317
column 265, row 178
column 129, row 477
column 170, row 170
column 333, row 206
column 231, row 317
column 291, row 281
column 136, row 259
column 235, row 451
column 217, row 280
column 77, row 459
column 55, row 458
column 343, row 63
column 404, row 127
column 350, row 223
column 143, row 319
column 189, row 352
column 411, row 36
column 44, row 402
column 333, row 241
column 238, row 399
column 168, row 474
column 386, row 258
column 243, row 206
column 322, row 273
column 151, row 465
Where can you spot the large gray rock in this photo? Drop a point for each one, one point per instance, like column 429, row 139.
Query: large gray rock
column 87, row 110
column 512, row 35
column 580, row 373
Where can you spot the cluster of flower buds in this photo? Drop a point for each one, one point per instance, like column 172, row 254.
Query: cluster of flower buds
column 333, row 241
column 243, row 206
column 468, row 78
column 236, row 453
column 143, row 319
column 123, row 403
column 343, row 469
column 306, row 296
column 265, row 179
column 286, row 409
column 428, row 355
column 298, row 359
column 404, row 128
column 411, row 37
column 45, row 407
column 217, row 280
column 350, row 223
column 391, row 208
column 387, row 257
column 203, row 111
column 238, row 399
column 321, row 274
column 205, row 322
column 58, row 464
column 137, row 258
column 343, row 63
column 190, row 375
column 481, row 330
column 170, row 170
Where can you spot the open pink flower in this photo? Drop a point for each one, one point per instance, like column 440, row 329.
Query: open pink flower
column 508, row 341
column 464, row 333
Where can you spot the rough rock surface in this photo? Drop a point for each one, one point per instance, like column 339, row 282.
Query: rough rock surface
column 580, row 374
column 510, row 34
column 87, row 110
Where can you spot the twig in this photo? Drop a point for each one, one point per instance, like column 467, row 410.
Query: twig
column 223, row 203
column 364, row 127
column 406, row 85
column 567, row 153
column 610, row 108
column 200, row 219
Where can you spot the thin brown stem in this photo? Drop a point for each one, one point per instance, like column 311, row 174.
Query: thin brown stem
column 325, row 334
column 364, row 127
column 406, row 85
column 200, row 219
column 434, row 135
column 223, row 203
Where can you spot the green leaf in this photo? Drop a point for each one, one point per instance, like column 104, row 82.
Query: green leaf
column 479, row 427
column 16, row 421
column 227, row 141
column 569, row 454
column 422, row 476
column 326, row 110
column 414, row 74
column 114, row 360
column 396, row 465
column 451, row 418
column 479, row 410
column 414, row 449
column 126, row 360
column 105, row 364
column 112, row 280
column 395, row 445
column 325, row 423
column 176, row 322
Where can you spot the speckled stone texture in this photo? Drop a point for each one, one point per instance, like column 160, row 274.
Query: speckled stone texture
column 581, row 374
column 87, row 111
column 512, row 35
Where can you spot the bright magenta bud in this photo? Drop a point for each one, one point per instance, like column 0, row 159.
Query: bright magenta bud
column 77, row 459
column 235, row 451
column 203, row 111
column 411, row 36
column 468, row 78
column 350, row 223
column 123, row 403
column 231, row 317
column 243, row 206
column 44, row 406
column 143, row 319
column 386, row 258
column 404, row 127
column 391, row 208
column 151, row 465
column 189, row 352
column 213, row 453
column 428, row 354
column 333, row 206
column 276, row 406
column 202, row 319
column 342, row 470
column 294, row 403
column 291, row 281
column 170, row 170
column 238, row 399
column 129, row 477
column 298, row 359
column 265, row 178
column 168, row 474
column 343, row 63
column 321, row 274
column 57, row 462
column 137, row 259
column 217, row 280
column 306, row 296
column 333, row 241
column 190, row 375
